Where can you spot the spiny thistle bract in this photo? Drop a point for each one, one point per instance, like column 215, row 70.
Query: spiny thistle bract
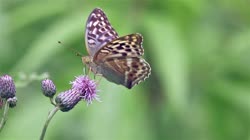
column 7, row 87
column 48, row 88
column 67, row 100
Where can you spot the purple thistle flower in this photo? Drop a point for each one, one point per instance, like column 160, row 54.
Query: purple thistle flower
column 67, row 100
column 86, row 87
column 7, row 87
column 12, row 102
column 48, row 88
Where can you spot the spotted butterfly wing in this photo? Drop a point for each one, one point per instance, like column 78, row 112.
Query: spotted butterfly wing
column 126, row 46
column 125, row 71
column 119, row 61
column 98, row 31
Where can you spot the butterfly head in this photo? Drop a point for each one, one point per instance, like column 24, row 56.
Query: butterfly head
column 86, row 60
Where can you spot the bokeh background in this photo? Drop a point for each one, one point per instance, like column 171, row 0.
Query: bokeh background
column 199, row 51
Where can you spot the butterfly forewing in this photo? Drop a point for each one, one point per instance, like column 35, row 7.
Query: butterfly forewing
column 126, row 46
column 98, row 31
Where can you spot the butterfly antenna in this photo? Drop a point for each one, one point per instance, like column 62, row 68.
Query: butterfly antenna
column 77, row 53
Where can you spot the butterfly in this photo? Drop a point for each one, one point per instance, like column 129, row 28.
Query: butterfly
column 118, row 59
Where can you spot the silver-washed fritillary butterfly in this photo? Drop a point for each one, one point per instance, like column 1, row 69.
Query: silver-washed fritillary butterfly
column 118, row 59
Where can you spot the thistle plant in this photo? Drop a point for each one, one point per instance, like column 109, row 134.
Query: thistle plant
column 48, row 89
column 83, row 88
column 8, row 97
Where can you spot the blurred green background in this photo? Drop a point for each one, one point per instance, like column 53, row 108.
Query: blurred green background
column 199, row 51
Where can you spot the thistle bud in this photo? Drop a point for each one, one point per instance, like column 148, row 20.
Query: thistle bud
column 48, row 88
column 7, row 87
column 67, row 100
column 12, row 102
column 86, row 88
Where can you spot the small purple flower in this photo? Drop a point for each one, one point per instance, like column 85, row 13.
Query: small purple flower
column 12, row 102
column 48, row 88
column 7, row 87
column 86, row 87
column 67, row 100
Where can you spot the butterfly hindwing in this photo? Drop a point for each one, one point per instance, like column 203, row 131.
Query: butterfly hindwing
column 98, row 31
column 126, row 71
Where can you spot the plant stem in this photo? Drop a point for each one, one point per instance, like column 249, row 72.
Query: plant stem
column 3, row 120
column 50, row 116
column 52, row 101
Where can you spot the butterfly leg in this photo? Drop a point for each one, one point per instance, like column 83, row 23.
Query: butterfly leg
column 84, row 70
column 88, row 71
column 99, row 80
column 97, row 74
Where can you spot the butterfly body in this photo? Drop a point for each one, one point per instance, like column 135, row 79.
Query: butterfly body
column 118, row 59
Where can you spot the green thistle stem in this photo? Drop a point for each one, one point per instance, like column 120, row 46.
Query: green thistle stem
column 50, row 116
column 4, row 118
column 52, row 101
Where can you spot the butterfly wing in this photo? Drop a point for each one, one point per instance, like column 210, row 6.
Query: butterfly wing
column 98, row 31
column 126, row 46
column 125, row 71
column 120, row 61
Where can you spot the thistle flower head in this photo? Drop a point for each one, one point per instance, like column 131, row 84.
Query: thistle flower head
column 67, row 100
column 86, row 88
column 12, row 102
column 48, row 88
column 7, row 87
